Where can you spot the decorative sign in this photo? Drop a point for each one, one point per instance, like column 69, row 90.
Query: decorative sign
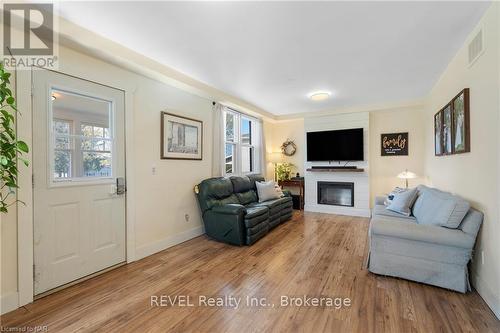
column 395, row 144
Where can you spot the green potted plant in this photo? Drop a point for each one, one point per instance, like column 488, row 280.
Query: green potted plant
column 11, row 149
column 284, row 170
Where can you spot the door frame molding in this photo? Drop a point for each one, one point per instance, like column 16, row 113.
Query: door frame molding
column 25, row 218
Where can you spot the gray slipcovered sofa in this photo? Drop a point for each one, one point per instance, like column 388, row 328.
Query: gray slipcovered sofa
column 402, row 247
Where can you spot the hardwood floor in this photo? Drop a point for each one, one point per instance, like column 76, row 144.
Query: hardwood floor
column 316, row 255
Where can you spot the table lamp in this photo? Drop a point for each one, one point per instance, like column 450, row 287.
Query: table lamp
column 407, row 175
column 275, row 158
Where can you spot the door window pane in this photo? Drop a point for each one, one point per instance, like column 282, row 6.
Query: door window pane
column 82, row 136
column 246, row 131
column 229, row 158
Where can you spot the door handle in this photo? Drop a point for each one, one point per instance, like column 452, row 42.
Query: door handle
column 121, row 187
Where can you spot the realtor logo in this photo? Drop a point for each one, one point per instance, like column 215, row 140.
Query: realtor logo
column 28, row 35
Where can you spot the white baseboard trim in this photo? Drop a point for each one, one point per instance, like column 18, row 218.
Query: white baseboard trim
column 486, row 294
column 350, row 211
column 149, row 249
column 9, row 302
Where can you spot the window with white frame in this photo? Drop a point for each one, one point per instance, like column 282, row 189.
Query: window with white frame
column 96, row 150
column 82, row 140
column 63, row 148
column 242, row 144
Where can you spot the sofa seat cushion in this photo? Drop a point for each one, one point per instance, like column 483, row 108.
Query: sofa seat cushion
column 253, row 221
column 252, row 238
column 274, row 220
column 421, row 250
column 275, row 203
column 380, row 210
column 406, row 229
column 257, row 228
column 438, row 208
column 256, row 211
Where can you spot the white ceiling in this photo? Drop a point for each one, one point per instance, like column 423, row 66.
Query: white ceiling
column 272, row 54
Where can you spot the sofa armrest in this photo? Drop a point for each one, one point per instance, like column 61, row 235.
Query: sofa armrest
column 379, row 200
column 398, row 228
column 230, row 209
column 287, row 193
column 471, row 222
column 226, row 223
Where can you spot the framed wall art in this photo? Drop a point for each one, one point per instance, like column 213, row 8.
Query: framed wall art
column 181, row 137
column 461, row 123
column 452, row 126
column 438, row 137
column 447, row 131
column 394, row 144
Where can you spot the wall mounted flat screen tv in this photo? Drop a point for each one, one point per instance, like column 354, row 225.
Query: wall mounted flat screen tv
column 338, row 145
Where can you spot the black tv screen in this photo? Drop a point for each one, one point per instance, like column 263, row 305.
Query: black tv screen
column 339, row 145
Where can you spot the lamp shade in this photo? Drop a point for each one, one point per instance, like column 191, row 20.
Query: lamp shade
column 275, row 157
column 407, row 175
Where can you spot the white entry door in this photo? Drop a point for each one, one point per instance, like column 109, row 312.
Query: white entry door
column 78, row 160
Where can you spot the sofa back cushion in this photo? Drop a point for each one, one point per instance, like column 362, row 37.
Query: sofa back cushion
column 243, row 189
column 256, row 178
column 403, row 201
column 435, row 207
column 214, row 192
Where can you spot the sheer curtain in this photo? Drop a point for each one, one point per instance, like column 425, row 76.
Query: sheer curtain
column 218, row 140
column 262, row 151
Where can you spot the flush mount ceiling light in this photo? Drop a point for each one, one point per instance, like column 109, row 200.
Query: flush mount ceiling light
column 319, row 95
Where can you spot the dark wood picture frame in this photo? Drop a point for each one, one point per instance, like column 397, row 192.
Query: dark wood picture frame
column 465, row 121
column 458, row 117
column 438, row 136
column 447, row 125
column 163, row 149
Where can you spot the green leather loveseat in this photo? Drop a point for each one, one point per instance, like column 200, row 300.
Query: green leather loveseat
column 232, row 212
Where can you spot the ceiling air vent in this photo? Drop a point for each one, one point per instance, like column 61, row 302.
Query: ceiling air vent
column 476, row 47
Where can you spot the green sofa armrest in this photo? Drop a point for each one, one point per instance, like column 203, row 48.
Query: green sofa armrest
column 231, row 209
column 226, row 223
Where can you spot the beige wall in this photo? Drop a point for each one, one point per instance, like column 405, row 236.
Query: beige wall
column 474, row 175
column 162, row 200
column 278, row 132
column 384, row 169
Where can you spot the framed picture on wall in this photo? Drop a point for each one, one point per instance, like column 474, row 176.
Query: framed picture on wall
column 447, row 130
column 181, row 137
column 452, row 126
column 438, row 136
column 394, row 144
column 461, row 128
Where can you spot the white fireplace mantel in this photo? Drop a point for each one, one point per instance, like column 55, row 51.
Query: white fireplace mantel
column 361, row 180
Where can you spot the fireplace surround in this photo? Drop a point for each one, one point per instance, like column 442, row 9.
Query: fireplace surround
column 336, row 193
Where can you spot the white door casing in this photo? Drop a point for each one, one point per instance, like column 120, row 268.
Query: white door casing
column 79, row 219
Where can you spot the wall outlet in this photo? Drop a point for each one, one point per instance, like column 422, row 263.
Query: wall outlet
column 153, row 169
column 186, row 217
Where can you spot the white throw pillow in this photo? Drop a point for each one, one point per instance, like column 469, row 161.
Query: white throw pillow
column 267, row 191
